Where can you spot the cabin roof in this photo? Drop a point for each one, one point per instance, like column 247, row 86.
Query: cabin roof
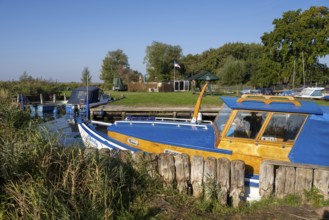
column 306, row 107
column 84, row 88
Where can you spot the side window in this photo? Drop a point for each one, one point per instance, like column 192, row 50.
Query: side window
column 283, row 127
column 246, row 124
column 222, row 117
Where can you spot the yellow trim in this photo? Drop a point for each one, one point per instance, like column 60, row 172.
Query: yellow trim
column 268, row 99
column 198, row 103
column 252, row 162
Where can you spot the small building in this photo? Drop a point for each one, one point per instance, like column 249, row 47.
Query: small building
column 181, row 85
column 202, row 77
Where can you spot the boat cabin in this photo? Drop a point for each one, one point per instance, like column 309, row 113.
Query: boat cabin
column 79, row 95
column 268, row 127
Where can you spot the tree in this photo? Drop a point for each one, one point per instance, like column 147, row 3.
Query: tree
column 300, row 37
column 86, row 77
column 114, row 64
column 233, row 72
column 25, row 77
column 159, row 61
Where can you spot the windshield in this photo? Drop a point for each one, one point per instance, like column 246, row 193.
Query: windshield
column 222, row 117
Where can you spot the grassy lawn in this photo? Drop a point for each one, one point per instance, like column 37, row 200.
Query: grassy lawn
column 172, row 99
column 163, row 99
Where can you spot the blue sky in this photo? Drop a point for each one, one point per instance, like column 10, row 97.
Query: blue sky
column 57, row 39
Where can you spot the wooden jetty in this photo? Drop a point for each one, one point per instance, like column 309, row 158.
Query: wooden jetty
column 116, row 111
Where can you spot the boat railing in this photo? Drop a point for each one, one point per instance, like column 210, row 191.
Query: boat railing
column 268, row 99
column 180, row 120
column 100, row 123
column 178, row 124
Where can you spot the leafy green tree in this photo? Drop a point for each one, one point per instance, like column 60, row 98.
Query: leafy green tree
column 159, row 61
column 300, row 37
column 233, row 72
column 25, row 77
column 86, row 77
column 114, row 64
column 265, row 72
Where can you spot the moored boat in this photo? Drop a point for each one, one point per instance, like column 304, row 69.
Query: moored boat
column 311, row 93
column 249, row 128
column 79, row 96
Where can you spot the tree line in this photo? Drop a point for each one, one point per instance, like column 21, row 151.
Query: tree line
column 288, row 54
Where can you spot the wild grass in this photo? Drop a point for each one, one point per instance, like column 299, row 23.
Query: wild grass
column 41, row 179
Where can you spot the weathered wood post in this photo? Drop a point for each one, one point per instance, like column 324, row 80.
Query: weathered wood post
column 280, row 178
column 138, row 159
column 41, row 99
column 289, row 187
column 167, row 169
column 105, row 151
column 285, row 181
column 151, row 164
column 183, row 172
column 125, row 156
column 54, row 98
column 223, row 179
column 197, row 164
column 209, row 178
column 237, row 182
column 321, row 181
column 304, row 179
column 266, row 180
column 89, row 152
column 115, row 153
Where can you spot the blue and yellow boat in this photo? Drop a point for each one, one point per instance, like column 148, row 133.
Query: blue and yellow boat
column 249, row 128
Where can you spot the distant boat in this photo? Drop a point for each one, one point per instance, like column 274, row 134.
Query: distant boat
column 311, row 93
column 79, row 97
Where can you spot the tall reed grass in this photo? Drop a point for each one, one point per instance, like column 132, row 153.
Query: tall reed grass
column 41, row 179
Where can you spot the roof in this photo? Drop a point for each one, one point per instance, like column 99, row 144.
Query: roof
column 306, row 107
column 79, row 95
column 84, row 88
column 205, row 76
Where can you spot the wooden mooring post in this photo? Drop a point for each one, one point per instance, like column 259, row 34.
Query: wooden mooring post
column 280, row 179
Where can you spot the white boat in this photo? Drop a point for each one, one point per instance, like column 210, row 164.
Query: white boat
column 311, row 93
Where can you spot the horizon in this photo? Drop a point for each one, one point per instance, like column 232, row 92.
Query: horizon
column 57, row 40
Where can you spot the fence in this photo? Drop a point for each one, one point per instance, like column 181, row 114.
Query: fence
column 224, row 180
column 284, row 178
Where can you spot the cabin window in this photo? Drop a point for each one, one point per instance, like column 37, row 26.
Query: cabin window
column 246, row 124
column 283, row 127
column 222, row 117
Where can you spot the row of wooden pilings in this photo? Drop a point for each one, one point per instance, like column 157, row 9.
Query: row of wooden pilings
column 283, row 178
column 203, row 178
column 224, row 180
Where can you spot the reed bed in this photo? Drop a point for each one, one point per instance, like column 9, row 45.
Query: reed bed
column 41, row 179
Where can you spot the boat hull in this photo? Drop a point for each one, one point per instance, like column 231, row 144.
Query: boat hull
column 94, row 139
